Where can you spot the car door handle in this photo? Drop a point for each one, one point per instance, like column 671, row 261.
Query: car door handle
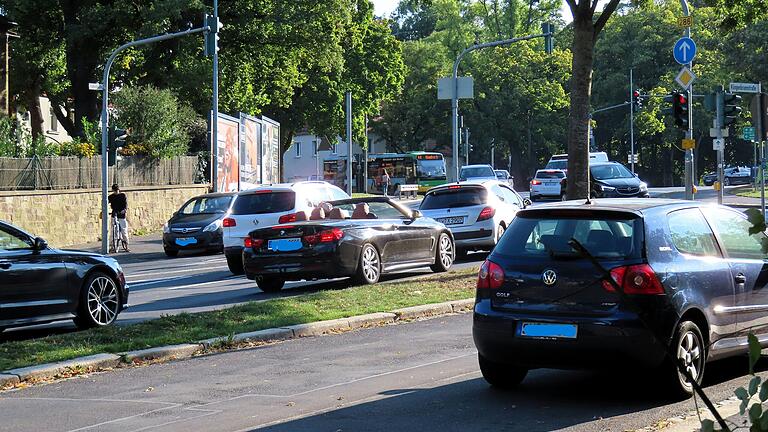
column 5, row 265
column 740, row 279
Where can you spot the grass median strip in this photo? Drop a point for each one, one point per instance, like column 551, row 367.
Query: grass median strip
column 185, row 328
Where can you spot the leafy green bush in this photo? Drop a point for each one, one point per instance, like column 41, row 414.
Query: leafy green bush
column 156, row 121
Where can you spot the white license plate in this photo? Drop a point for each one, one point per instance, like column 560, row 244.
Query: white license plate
column 549, row 330
column 284, row 245
column 457, row 220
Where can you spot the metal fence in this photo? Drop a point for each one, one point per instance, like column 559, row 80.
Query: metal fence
column 85, row 173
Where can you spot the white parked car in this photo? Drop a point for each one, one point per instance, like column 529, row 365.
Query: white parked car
column 270, row 205
column 476, row 212
column 477, row 173
column 548, row 183
column 560, row 161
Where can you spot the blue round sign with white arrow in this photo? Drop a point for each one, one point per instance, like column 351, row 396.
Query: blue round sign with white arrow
column 685, row 50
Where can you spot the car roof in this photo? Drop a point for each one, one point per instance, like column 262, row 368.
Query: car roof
column 477, row 165
column 216, row 195
column 627, row 205
column 484, row 183
column 550, row 170
column 284, row 187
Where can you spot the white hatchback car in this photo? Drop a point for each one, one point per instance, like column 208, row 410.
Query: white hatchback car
column 548, row 183
column 476, row 212
column 270, row 205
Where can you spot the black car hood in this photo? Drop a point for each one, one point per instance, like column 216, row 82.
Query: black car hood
column 620, row 182
column 198, row 220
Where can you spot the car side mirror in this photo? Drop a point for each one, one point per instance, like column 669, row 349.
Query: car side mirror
column 637, row 175
column 527, row 202
column 40, row 244
column 416, row 214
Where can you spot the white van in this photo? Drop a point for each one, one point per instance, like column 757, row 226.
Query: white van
column 560, row 161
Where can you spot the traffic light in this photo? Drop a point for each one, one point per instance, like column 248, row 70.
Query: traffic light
column 548, row 29
column 116, row 140
column 678, row 109
column 637, row 100
column 731, row 108
column 211, row 35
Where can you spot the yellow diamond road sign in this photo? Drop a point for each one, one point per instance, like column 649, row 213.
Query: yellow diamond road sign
column 685, row 78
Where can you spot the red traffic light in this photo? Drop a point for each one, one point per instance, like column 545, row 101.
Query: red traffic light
column 681, row 99
column 636, row 94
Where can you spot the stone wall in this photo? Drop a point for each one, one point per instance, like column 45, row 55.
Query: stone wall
column 66, row 218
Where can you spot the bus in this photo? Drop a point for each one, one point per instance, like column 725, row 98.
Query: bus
column 423, row 168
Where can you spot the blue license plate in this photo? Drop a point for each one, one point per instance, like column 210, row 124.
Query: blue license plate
column 186, row 241
column 284, row 245
column 548, row 330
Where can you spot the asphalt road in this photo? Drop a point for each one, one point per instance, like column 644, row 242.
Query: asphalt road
column 418, row 376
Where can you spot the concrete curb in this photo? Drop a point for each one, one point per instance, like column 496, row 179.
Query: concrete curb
column 423, row 311
column 177, row 352
column 163, row 353
column 52, row 370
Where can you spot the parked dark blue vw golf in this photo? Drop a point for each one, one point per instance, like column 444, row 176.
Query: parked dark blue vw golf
column 694, row 282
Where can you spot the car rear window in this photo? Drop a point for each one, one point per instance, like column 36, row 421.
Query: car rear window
column 264, row 202
column 476, row 172
column 557, row 164
column 550, row 175
column 452, row 198
column 606, row 236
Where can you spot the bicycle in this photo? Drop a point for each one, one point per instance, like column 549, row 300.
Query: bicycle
column 116, row 240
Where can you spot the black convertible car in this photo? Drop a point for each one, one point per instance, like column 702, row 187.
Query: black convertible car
column 39, row 284
column 362, row 238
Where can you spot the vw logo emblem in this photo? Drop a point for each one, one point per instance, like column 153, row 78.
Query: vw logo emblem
column 549, row 277
column 255, row 221
column 282, row 233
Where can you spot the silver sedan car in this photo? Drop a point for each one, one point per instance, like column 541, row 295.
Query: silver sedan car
column 476, row 212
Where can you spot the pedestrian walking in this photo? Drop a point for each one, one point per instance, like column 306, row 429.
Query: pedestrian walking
column 385, row 183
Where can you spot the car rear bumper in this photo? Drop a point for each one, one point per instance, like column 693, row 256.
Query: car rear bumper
column 323, row 262
column 601, row 343
column 476, row 235
column 546, row 191
column 202, row 240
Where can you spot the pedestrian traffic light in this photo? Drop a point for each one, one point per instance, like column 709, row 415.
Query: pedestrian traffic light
column 678, row 108
column 116, row 139
column 731, row 108
column 211, row 34
column 637, row 100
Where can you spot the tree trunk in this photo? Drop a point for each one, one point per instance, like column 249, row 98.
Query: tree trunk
column 35, row 110
column 81, row 68
column 578, row 120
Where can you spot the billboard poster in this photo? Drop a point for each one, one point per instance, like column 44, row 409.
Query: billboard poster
column 270, row 143
column 228, row 140
column 250, row 158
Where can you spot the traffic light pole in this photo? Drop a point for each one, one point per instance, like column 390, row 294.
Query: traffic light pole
column 689, row 155
column 720, row 156
column 215, row 109
column 455, row 98
column 105, row 123
column 632, row 121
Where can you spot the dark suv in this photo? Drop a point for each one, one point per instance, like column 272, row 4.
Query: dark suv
column 692, row 279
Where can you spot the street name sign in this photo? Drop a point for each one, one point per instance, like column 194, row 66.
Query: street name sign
column 446, row 87
column 684, row 50
column 685, row 78
column 744, row 88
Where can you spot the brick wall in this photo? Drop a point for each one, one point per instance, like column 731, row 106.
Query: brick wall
column 66, row 218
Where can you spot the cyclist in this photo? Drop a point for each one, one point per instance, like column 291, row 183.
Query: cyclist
column 119, row 204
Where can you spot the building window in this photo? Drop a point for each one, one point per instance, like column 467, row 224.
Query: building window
column 298, row 149
column 54, row 121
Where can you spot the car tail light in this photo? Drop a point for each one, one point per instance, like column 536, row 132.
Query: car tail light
column 486, row 213
column 636, row 279
column 253, row 243
column 287, row 218
column 454, row 187
column 228, row 223
column 491, row 276
column 325, row 236
column 535, row 182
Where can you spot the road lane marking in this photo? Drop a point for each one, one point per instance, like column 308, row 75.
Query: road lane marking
column 160, row 273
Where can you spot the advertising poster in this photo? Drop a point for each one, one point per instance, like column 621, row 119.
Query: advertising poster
column 250, row 159
column 270, row 143
column 228, row 169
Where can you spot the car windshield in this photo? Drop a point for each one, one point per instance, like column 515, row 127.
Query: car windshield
column 201, row 205
column 431, row 168
column 550, row 175
column 608, row 172
column 454, row 197
column 374, row 210
column 607, row 236
column 502, row 175
column 558, row 164
column 474, row 172
column 263, row 202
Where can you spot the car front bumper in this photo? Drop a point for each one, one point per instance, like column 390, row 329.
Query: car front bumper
column 193, row 241
column 601, row 342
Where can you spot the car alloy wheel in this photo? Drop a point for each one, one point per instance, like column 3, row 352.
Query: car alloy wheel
column 370, row 266
column 727, row 181
column 691, row 352
column 500, row 233
column 103, row 301
column 445, row 254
